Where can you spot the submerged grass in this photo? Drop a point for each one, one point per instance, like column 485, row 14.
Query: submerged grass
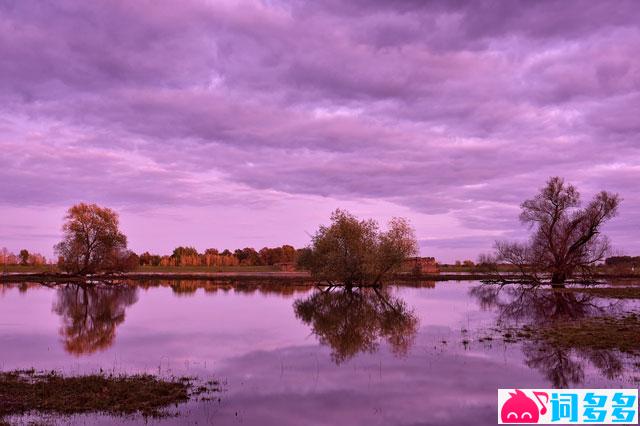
column 616, row 332
column 620, row 333
column 28, row 391
column 617, row 292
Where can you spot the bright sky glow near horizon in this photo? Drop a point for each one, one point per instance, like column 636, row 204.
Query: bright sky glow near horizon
column 245, row 123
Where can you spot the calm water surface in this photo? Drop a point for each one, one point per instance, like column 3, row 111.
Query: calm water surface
column 295, row 355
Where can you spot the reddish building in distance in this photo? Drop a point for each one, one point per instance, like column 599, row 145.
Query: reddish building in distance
column 421, row 265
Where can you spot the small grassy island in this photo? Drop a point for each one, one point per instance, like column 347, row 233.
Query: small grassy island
column 28, row 391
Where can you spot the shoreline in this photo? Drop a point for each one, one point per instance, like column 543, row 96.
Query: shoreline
column 285, row 277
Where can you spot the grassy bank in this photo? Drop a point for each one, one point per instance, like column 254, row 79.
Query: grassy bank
column 205, row 269
column 230, row 276
column 243, row 273
column 29, row 269
column 29, row 391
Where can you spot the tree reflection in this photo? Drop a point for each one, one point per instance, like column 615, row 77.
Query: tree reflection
column 556, row 363
column 535, row 307
column 91, row 313
column 564, row 366
column 353, row 321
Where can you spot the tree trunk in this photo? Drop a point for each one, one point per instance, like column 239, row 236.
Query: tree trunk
column 558, row 278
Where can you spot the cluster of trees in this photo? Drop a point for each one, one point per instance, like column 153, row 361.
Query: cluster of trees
column 189, row 256
column 623, row 261
column 94, row 243
column 211, row 257
column 468, row 263
column 566, row 242
column 353, row 252
column 23, row 258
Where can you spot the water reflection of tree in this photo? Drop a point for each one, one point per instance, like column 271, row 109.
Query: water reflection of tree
column 91, row 313
column 535, row 307
column 355, row 321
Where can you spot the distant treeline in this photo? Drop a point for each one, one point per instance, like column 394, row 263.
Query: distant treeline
column 189, row 256
column 623, row 261
column 23, row 258
column 181, row 256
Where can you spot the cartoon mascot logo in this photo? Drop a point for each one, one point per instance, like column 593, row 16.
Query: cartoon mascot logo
column 519, row 408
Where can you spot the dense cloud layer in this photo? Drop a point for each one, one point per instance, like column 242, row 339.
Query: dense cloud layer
column 461, row 109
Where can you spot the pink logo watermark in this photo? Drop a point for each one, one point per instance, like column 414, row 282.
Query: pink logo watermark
column 519, row 408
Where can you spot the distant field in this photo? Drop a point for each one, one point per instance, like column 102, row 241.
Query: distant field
column 607, row 270
column 472, row 269
column 29, row 269
column 178, row 269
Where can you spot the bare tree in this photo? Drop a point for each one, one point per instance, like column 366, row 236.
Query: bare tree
column 92, row 241
column 355, row 252
column 566, row 239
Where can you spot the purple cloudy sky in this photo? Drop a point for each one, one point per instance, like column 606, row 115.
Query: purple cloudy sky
column 244, row 123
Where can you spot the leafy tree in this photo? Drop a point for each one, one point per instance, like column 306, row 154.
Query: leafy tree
column 355, row 252
column 288, row 253
column 304, row 258
column 92, row 240
column 24, row 257
column 147, row 258
column 184, row 256
column 566, row 238
column 248, row 256
column 271, row 256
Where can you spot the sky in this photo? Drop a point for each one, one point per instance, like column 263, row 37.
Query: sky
column 245, row 123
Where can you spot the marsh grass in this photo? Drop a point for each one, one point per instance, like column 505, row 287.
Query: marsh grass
column 29, row 391
column 617, row 292
column 620, row 333
column 616, row 333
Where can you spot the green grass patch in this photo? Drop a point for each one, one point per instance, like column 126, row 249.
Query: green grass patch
column 28, row 391
column 618, row 292
column 204, row 269
column 29, row 269
column 620, row 333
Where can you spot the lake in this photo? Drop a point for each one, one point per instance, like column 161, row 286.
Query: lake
column 432, row 353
